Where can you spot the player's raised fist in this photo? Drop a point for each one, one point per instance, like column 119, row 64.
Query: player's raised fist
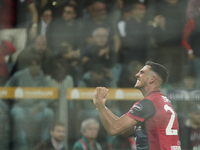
column 100, row 95
column 101, row 92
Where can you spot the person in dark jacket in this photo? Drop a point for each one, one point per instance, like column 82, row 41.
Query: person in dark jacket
column 57, row 133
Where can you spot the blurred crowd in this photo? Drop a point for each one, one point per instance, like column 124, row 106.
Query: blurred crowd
column 89, row 43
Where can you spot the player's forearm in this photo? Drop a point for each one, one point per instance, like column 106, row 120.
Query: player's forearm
column 114, row 116
column 109, row 121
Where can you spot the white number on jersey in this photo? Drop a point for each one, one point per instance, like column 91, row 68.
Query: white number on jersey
column 169, row 130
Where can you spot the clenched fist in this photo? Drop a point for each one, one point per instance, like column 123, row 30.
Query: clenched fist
column 100, row 95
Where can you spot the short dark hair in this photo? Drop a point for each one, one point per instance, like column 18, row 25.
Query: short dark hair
column 70, row 5
column 46, row 8
column 160, row 70
column 56, row 123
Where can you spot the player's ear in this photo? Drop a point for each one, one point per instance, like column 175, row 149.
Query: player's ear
column 152, row 80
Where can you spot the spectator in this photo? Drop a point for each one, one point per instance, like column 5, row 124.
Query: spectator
column 114, row 11
column 100, row 51
column 126, row 15
column 190, row 129
column 44, row 21
column 188, row 82
column 135, row 42
column 14, row 22
column 39, row 47
column 69, row 30
column 59, row 76
column 31, row 117
column 55, row 142
column 99, row 18
column 89, row 130
column 191, row 43
column 6, row 48
column 67, row 54
column 97, row 75
column 167, row 20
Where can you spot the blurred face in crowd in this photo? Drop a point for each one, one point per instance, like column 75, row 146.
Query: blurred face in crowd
column 47, row 16
column 91, row 131
column 138, row 11
column 58, row 133
column 195, row 117
column 40, row 44
column 34, row 68
column 189, row 82
column 98, row 10
column 100, row 37
column 97, row 76
column 69, row 13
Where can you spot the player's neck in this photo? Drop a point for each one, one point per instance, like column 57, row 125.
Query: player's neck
column 149, row 89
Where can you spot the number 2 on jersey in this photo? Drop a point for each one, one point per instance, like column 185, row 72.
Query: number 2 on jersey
column 169, row 130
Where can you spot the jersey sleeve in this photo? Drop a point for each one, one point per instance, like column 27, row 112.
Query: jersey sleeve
column 142, row 110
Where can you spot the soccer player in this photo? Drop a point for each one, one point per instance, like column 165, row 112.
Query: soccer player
column 152, row 120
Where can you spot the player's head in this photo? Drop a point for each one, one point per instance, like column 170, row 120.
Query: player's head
column 160, row 70
column 151, row 73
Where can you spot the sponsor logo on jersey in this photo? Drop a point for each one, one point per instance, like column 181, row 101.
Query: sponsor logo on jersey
column 138, row 107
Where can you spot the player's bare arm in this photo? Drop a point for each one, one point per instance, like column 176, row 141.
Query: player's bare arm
column 126, row 133
column 114, row 125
